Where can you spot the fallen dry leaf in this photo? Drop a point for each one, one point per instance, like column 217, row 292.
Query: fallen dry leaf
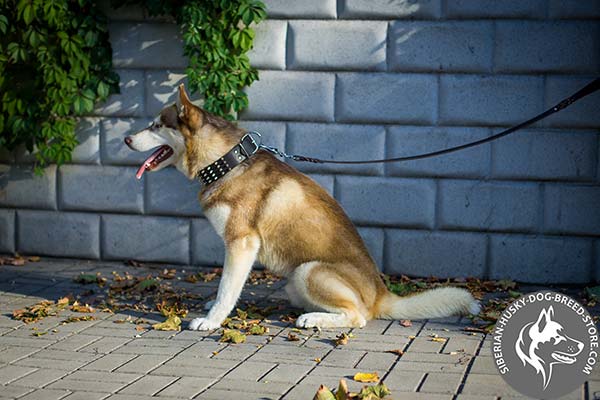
column 438, row 339
column 318, row 360
column 232, row 336
column 41, row 310
column 78, row 319
column 406, row 322
column 168, row 273
column 342, row 393
column 366, row 377
column 257, row 330
column 324, row 394
column 396, row 351
column 292, row 337
column 374, row 392
column 82, row 308
column 173, row 323
column 341, row 339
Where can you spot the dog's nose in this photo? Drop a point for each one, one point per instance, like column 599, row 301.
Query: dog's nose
column 128, row 140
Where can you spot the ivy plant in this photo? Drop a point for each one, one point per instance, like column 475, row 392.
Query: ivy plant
column 217, row 36
column 55, row 64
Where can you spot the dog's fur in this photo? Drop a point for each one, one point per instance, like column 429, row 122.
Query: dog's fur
column 543, row 343
column 266, row 210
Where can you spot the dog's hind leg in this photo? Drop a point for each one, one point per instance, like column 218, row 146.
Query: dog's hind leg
column 317, row 287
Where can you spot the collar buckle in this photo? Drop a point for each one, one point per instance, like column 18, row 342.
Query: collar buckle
column 248, row 145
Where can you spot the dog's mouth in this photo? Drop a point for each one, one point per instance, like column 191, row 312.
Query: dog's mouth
column 563, row 358
column 158, row 156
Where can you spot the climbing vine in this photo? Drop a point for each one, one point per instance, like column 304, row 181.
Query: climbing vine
column 55, row 63
column 217, row 36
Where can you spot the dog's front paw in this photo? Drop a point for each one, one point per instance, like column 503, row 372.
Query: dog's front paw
column 308, row 320
column 203, row 324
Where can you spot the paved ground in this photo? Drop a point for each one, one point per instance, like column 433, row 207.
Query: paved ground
column 102, row 359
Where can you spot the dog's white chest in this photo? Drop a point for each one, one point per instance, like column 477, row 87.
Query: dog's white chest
column 218, row 215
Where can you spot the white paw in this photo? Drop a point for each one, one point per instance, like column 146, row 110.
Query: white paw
column 308, row 320
column 203, row 324
column 474, row 308
column 208, row 305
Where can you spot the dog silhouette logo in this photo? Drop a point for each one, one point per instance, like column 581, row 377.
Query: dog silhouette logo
column 544, row 343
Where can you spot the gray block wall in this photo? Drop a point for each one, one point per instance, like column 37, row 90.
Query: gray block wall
column 358, row 79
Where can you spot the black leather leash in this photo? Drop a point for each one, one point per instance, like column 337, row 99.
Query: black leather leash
column 588, row 89
column 248, row 145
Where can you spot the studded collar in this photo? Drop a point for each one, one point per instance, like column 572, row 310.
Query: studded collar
column 234, row 157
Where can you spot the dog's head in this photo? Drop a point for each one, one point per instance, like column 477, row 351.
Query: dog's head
column 544, row 343
column 187, row 137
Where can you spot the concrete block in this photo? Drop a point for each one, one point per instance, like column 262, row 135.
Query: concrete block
column 100, row 188
column 455, row 46
column 535, row 259
column 440, row 254
column 367, row 9
column 497, row 206
column 346, row 45
column 540, row 46
column 58, row 234
column 207, row 246
column 113, row 148
column 20, row 187
column 146, row 45
column 7, row 231
column 553, row 155
column 306, row 9
column 327, row 182
column 468, row 9
column 161, row 90
column 582, row 114
column 373, row 238
column 273, row 133
column 280, row 95
column 88, row 135
column 127, row 13
column 169, row 192
column 402, row 98
column 489, row 100
column 411, row 140
column 339, row 142
column 387, row 201
column 130, row 102
column 573, row 9
column 572, row 209
column 145, row 238
column 268, row 51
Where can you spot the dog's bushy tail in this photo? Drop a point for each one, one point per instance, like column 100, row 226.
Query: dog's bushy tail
column 435, row 303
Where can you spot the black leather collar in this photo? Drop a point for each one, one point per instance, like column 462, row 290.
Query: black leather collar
column 234, row 157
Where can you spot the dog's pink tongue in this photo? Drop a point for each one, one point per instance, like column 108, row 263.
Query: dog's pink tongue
column 147, row 163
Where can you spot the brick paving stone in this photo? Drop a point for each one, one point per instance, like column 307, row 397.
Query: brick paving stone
column 441, row 383
column 436, row 358
column 404, row 381
column 374, row 360
column 286, row 373
column 75, row 343
column 11, row 392
column 488, row 384
column 252, row 386
column 86, row 396
column 222, row 394
column 186, row 387
column 102, row 376
column 45, row 394
column 143, row 363
column 251, row 371
column 40, row 378
column 302, row 391
column 109, row 362
column 424, row 345
column 483, row 365
column 10, row 373
column 347, row 358
column 404, row 365
column 65, row 355
column 395, row 329
column 12, row 354
column 421, row 396
column 105, row 345
column 65, row 365
column 458, row 344
column 197, row 371
column 149, row 385
column 86, row 386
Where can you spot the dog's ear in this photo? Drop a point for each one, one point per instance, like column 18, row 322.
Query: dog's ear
column 544, row 318
column 190, row 114
column 169, row 116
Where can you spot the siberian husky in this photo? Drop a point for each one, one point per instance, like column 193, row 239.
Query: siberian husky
column 266, row 210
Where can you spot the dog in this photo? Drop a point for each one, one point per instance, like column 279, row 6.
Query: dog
column 266, row 210
column 543, row 344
